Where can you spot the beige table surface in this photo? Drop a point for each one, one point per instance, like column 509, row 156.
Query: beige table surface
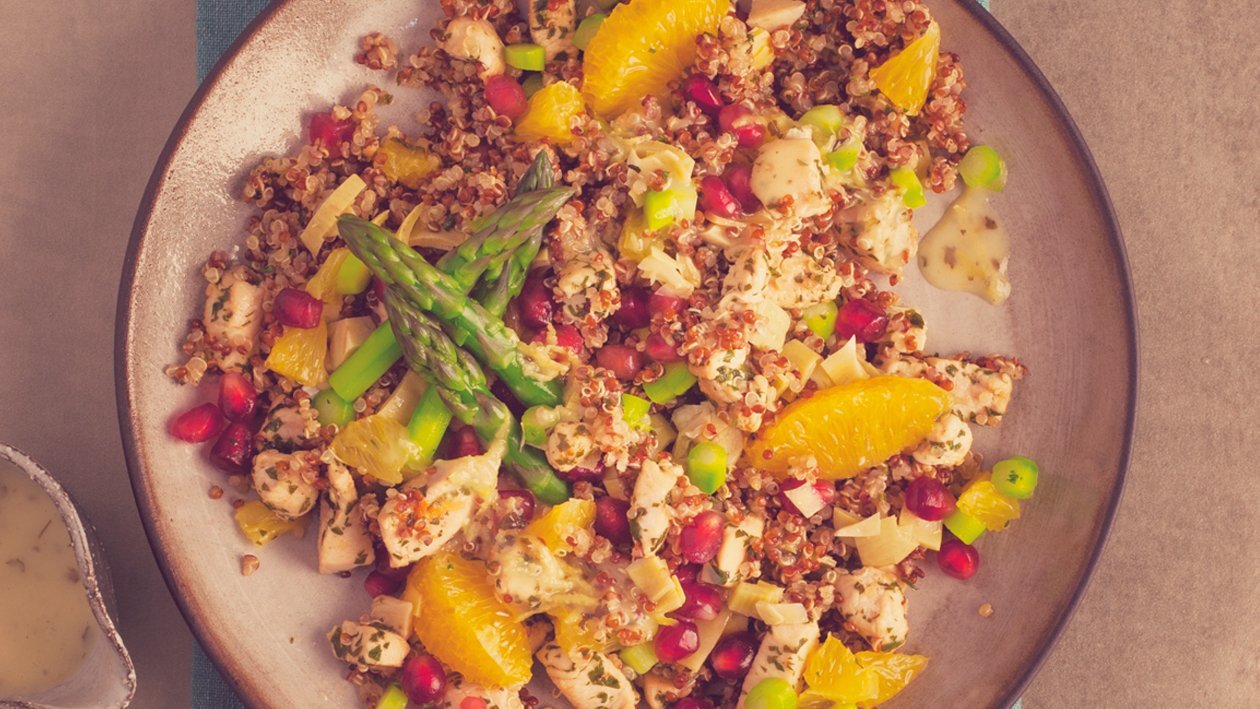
column 88, row 96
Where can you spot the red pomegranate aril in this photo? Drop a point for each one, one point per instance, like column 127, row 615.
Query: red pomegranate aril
column 716, row 198
column 297, row 308
column 700, row 539
column 733, row 656
column 579, row 474
column 237, row 397
column 738, row 177
column 625, row 362
column 691, row 703
column 633, row 313
column 667, row 307
column 688, row 572
column 378, row 288
column 200, row 423
column 612, row 521
column 958, row 559
column 704, row 93
column 383, row 567
column 328, row 131
column 703, row 601
column 739, row 120
column 661, row 351
column 534, row 304
column 826, row 492
column 379, row 583
column 506, row 96
column 569, row 338
column 520, row 507
column 505, row 394
column 676, row 642
column 423, row 679
column 234, row 450
column 861, row 319
column 929, row 499
column 464, row 442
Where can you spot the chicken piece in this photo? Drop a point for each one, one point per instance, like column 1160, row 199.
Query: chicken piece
column 395, row 613
column 770, row 15
column 736, row 539
column 571, row 445
column 344, row 540
column 476, row 41
column 701, row 422
column 369, row 644
column 591, row 680
column 874, row 604
column 947, row 444
column 426, row 511
column 981, row 395
column 551, row 25
column 530, row 576
column 232, row 318
column 289, row 428
column 882, row 233
column 789, row 172
column 650, row 511
column 285, row 482
column 800, row 281
column 782, row 654
column 906, row 334
column 459, row 689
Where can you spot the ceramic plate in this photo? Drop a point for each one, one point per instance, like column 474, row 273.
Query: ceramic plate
column 1070, row 319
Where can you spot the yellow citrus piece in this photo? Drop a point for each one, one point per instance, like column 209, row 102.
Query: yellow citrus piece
column 851, row 427
column 323, row 284
column 405, row 163
column 905, row 78
column 299, row 354
column 260, row 525
column 563, row 523
column 894, row 671
column 375, row 445
column 641, row 47
column 465, row 625
column 981, row 499
column 833, row 672
column 575, row 631
column 550, row 114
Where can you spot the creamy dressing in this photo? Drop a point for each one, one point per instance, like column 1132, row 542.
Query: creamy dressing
column 46, row 625
column 968, row 249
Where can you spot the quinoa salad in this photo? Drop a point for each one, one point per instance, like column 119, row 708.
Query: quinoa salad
column 595, row 374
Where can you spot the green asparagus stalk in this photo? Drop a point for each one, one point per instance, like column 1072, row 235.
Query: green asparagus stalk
column 428, row 289
column 462, row 385
column 495, row 295
column 538, row 176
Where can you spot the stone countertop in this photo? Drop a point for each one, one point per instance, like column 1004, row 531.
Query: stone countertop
column 1164, row 93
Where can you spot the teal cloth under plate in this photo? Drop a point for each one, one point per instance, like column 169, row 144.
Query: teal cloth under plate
column 218, row 24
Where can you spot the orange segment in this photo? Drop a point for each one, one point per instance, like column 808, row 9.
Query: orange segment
column 981, row 499
column 550, row 114
column 851, row 427
column 893, row 670
column 641, row 47
column 465, row 625
column 375, row 445
column 833, row 672
column 299, row 354
column 563, row 524
column 906, row 78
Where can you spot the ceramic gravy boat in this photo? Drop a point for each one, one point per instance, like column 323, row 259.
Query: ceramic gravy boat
column 107, row 677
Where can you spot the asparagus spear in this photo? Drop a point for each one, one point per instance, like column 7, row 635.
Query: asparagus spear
column 461, row 383
column 539, row 175
column 426, row 288
column 495, row 295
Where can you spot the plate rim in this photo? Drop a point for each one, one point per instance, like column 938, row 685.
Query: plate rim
column 252, row 692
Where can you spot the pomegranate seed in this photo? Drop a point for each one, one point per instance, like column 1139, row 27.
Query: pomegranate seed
column 520, row 505
column 382, row 584
column 612, row 522
column 861, row 319
column 929, row 499
column 200, row 423
column 691, row 703
column 667, row 307
column 378, row 287
column 423, row 679
column 237, row 397
column 235, row 448
column 704, row 93
column 577, row 475
column 568, row 337
column 505, row 394
column 826, row 492
column 688, row 572
column 957, row 559
column 703, row 601
column 534, row 303
column 699, row 540
column 297, row 308
column 633, row 313
column 464, row 442
column 382, row 564
column 716, row 198
column 738, row 178
column 739, row 119
column 506, row 96
column 732, row 656
column 675, row 642
column 660, row 350
column 625, row 362
column 328, row 131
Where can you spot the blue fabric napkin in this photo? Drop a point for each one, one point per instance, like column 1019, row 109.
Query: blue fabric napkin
column 219, row 22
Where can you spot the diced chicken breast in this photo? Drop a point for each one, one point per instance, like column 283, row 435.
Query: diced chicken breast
column 733, row 552
column 459, row 689
column 344, row 540
column 368, row 644
column 571, row 444
column 790, row 169
column 590, row 680
column 981, row 395
column 476, row 41
column 947, row 444
column 800, row 281
column 770, row 15
column 650, row 511
column 281, row 484
column 232, row 317
column 874, row 604
column 529, row 574
column 883, row 233
column 288, row 428
column 782, row 655
column 551, row 25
